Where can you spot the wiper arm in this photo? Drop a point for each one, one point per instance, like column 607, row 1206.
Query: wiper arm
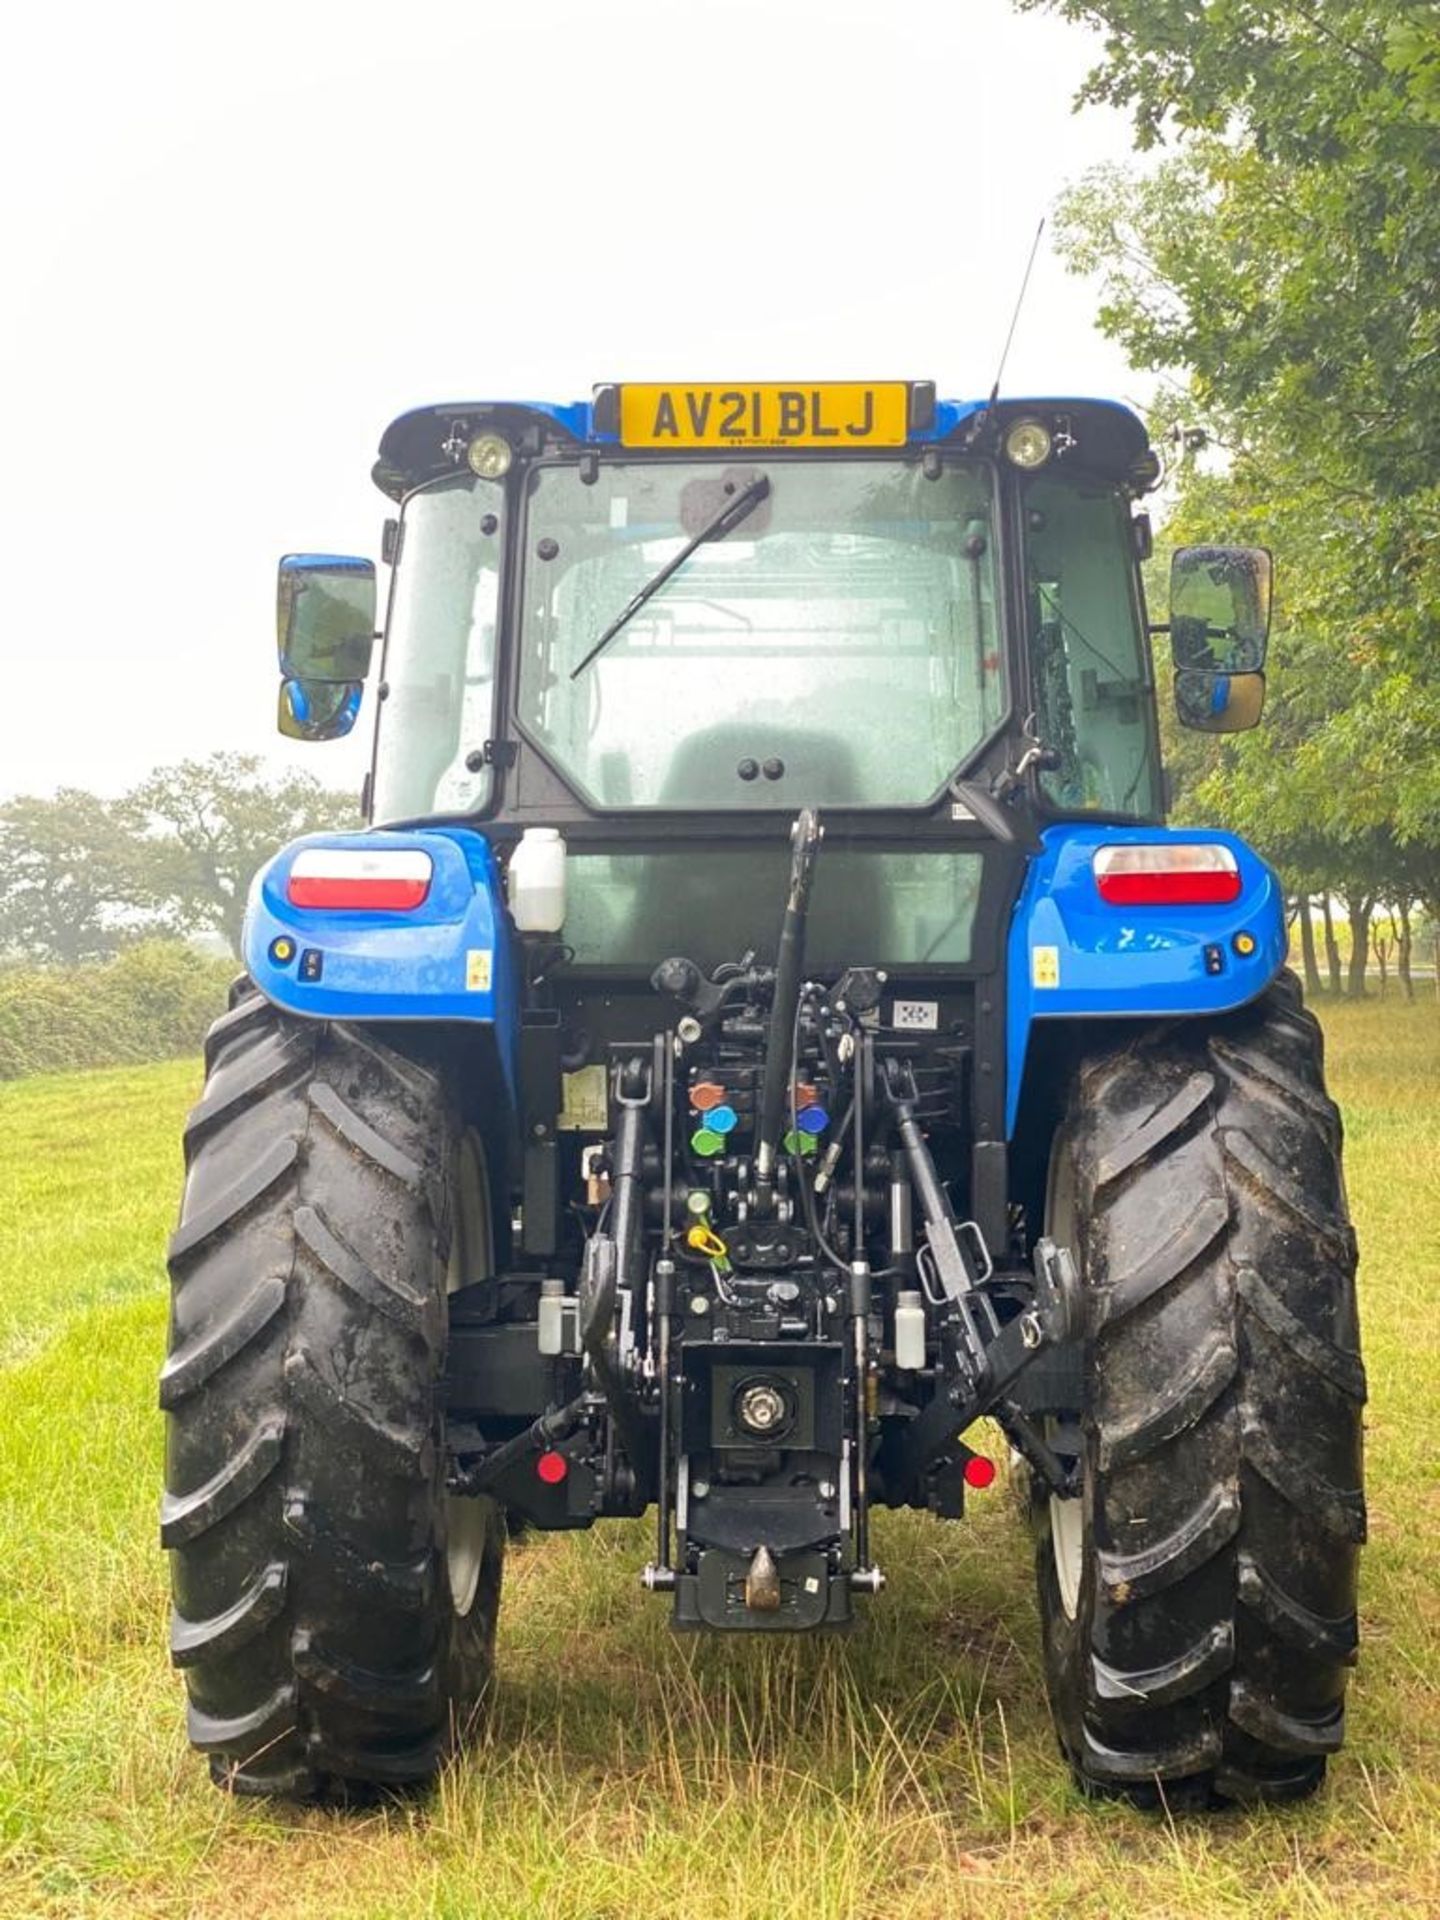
column 715, row 528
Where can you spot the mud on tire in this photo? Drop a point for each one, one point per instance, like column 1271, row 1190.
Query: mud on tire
column 1213, row 1581
column 305, row 1510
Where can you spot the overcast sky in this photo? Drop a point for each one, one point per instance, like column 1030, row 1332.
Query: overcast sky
column 237, row 243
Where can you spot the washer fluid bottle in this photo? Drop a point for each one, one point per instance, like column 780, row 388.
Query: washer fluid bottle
column 537, row 881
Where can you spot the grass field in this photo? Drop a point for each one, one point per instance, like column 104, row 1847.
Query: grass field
column 908, row 1771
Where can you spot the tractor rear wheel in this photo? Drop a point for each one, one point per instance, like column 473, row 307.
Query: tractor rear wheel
column 1198, row 1600
column 334, row 1608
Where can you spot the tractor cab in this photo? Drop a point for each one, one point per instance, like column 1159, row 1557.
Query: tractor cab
column 688, row 611
column 870, row 603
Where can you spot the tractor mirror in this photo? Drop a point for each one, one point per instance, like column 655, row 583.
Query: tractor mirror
column 1213, row 702
column 325, row 617
column 1220, row 608
column 318, row 709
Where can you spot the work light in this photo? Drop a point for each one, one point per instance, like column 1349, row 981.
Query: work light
column 489, row 456
column 1028, row 444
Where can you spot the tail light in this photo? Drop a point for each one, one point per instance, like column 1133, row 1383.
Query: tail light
column 357, row 878
column 1167, row 874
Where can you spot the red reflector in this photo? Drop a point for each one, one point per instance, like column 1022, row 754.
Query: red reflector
column 394, row 894
column 552, row 1468
column 1170, row 889
column 354, row 878
column 1170, row 874
column 979, row 1472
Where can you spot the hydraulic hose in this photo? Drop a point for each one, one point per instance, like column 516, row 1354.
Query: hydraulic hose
column 542, row 1433
column 789, row 967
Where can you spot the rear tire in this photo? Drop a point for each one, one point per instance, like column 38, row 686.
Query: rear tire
column 1199, row 1609
column 334, row 1612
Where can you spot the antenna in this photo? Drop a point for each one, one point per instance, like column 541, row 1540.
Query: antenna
column 1015, row 316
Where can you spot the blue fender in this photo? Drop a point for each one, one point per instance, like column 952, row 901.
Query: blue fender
column 1073, row 957
column 450, row 958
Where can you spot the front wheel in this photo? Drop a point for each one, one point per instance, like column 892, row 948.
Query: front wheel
column 1198, row 1599
column 334, row 1608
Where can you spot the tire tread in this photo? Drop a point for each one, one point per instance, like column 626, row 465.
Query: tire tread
column 1217, row 1620
column 312, row 1616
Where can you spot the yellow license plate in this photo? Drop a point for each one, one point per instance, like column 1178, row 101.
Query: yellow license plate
column 834, row 414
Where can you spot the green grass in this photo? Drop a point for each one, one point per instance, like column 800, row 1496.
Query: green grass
column 908, row 1771
column 89, row 1184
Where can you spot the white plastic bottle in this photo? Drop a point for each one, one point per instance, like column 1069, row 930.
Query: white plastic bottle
column 537, row 881
column 909, row 1331
column 550, row 1318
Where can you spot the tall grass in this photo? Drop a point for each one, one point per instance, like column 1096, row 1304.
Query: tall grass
column 905, row 1772
column 150, row 1002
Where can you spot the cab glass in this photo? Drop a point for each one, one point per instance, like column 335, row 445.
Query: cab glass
column 838, row 646
column 1088, row 648
column 439, row 670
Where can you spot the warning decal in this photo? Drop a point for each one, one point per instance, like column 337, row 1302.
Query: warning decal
column 1045, row 966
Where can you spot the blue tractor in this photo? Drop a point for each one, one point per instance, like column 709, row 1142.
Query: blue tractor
column 764, row 1028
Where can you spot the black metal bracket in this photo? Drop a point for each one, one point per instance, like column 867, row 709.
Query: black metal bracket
column 1052, row 1318
column 1027, row 1440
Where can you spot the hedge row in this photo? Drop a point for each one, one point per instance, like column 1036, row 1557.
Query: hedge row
column 151, row 1002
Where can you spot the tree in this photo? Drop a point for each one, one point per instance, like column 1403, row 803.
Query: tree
column 69, row 889
column 1284, row 260
column 1309, row 138
column 204, row 827
column 81, row 876
column 1286, row 255
column 1338, row 786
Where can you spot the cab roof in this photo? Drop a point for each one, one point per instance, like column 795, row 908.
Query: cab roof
column 1100, row 436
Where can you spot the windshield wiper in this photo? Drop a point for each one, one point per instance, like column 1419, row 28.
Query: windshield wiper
column 715, row 528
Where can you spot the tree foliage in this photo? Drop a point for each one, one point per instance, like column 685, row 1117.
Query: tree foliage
column 81, row 877
column 1281, row 261
column 66, row 876
column 1301, row 236
column 204, row 827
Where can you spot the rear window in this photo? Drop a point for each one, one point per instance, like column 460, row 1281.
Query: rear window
column 868, row 908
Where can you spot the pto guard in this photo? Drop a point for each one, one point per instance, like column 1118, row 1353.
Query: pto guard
column 1074, row 957
column 449, row 958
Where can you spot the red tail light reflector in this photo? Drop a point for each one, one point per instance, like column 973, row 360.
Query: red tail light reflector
column 393, row 880
column 1167, row 874
column 978, row 1471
